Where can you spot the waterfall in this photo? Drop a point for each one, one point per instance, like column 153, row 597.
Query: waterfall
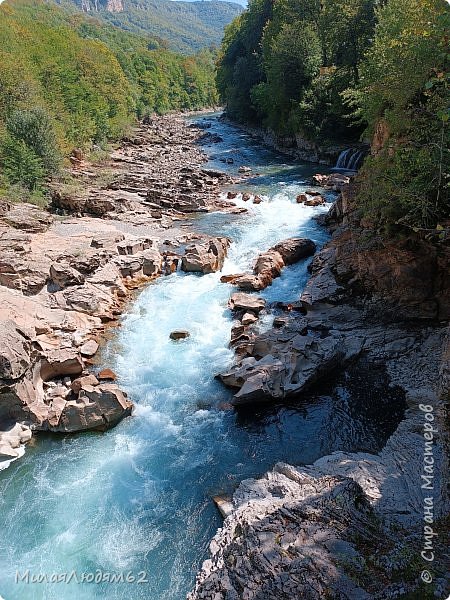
column 350, row 159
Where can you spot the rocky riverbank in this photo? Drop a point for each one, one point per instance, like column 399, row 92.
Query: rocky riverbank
column 352, row 524
column 66, row 273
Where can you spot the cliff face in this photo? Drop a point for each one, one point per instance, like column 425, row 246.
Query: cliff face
column 399, row 279
column 112, row 6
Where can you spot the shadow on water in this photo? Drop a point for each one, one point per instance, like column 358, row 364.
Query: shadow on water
column 359, row 410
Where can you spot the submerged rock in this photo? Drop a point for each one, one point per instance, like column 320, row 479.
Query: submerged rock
column 179, row 334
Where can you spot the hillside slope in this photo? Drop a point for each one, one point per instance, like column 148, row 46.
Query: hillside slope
column 187, row 26
column 70, row 81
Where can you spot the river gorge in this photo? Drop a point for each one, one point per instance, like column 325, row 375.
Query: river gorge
column 137, row 499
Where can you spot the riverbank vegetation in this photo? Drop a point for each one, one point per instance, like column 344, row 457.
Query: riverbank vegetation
column 68, row 81
column 344, row 71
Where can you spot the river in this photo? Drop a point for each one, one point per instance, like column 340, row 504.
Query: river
column 137, row 499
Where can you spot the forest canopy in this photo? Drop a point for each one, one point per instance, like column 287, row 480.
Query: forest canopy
column 345, row 70
column 68, row 81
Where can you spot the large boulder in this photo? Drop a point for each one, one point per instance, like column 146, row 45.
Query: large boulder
column 16, row 386
column 95, row 300
column 100, row 407
column 22, row 271
column 109, row 276
column 294, row 249
column 60, row 363
column 269, row 264
column 205, row 257
column 246, row 303
column 20, row 401
column 129, row 265
column 152, row 262
column 248, row 282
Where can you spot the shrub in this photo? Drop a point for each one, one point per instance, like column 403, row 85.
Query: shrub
column 34, row 129
column 20, row 164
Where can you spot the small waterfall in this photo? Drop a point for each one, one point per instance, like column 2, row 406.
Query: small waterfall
column 350, row 159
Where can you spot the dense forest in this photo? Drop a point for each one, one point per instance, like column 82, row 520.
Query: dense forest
column 184, row 26
column 339, row 70
column 68, row 81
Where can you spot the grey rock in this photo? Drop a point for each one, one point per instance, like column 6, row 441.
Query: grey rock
column 15, row 350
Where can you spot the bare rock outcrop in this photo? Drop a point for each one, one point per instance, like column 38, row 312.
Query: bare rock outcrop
column 282, row 365
column 287, row 537
column 27, row 217
column 269, row 264
column 62, row 279
column 400, row 279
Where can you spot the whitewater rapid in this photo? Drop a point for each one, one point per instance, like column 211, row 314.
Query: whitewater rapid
column 136, row 500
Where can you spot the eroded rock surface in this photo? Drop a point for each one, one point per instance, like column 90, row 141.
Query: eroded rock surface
column 269, row 264
column 205, row 257
column 63, row 276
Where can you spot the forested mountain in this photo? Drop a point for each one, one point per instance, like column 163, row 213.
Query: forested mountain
column 187, row 26
column 67, row 80
column 338, row 69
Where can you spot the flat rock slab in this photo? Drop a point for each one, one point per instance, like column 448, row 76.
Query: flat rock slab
column 247, row 303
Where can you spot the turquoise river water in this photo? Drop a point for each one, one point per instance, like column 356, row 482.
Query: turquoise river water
column 136, row 500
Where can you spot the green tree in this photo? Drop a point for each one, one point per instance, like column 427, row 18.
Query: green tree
column 34, row 128
column 20, row 165
column 291, row 59
column 285, row 64
column 404, row 91
column 239, row 65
